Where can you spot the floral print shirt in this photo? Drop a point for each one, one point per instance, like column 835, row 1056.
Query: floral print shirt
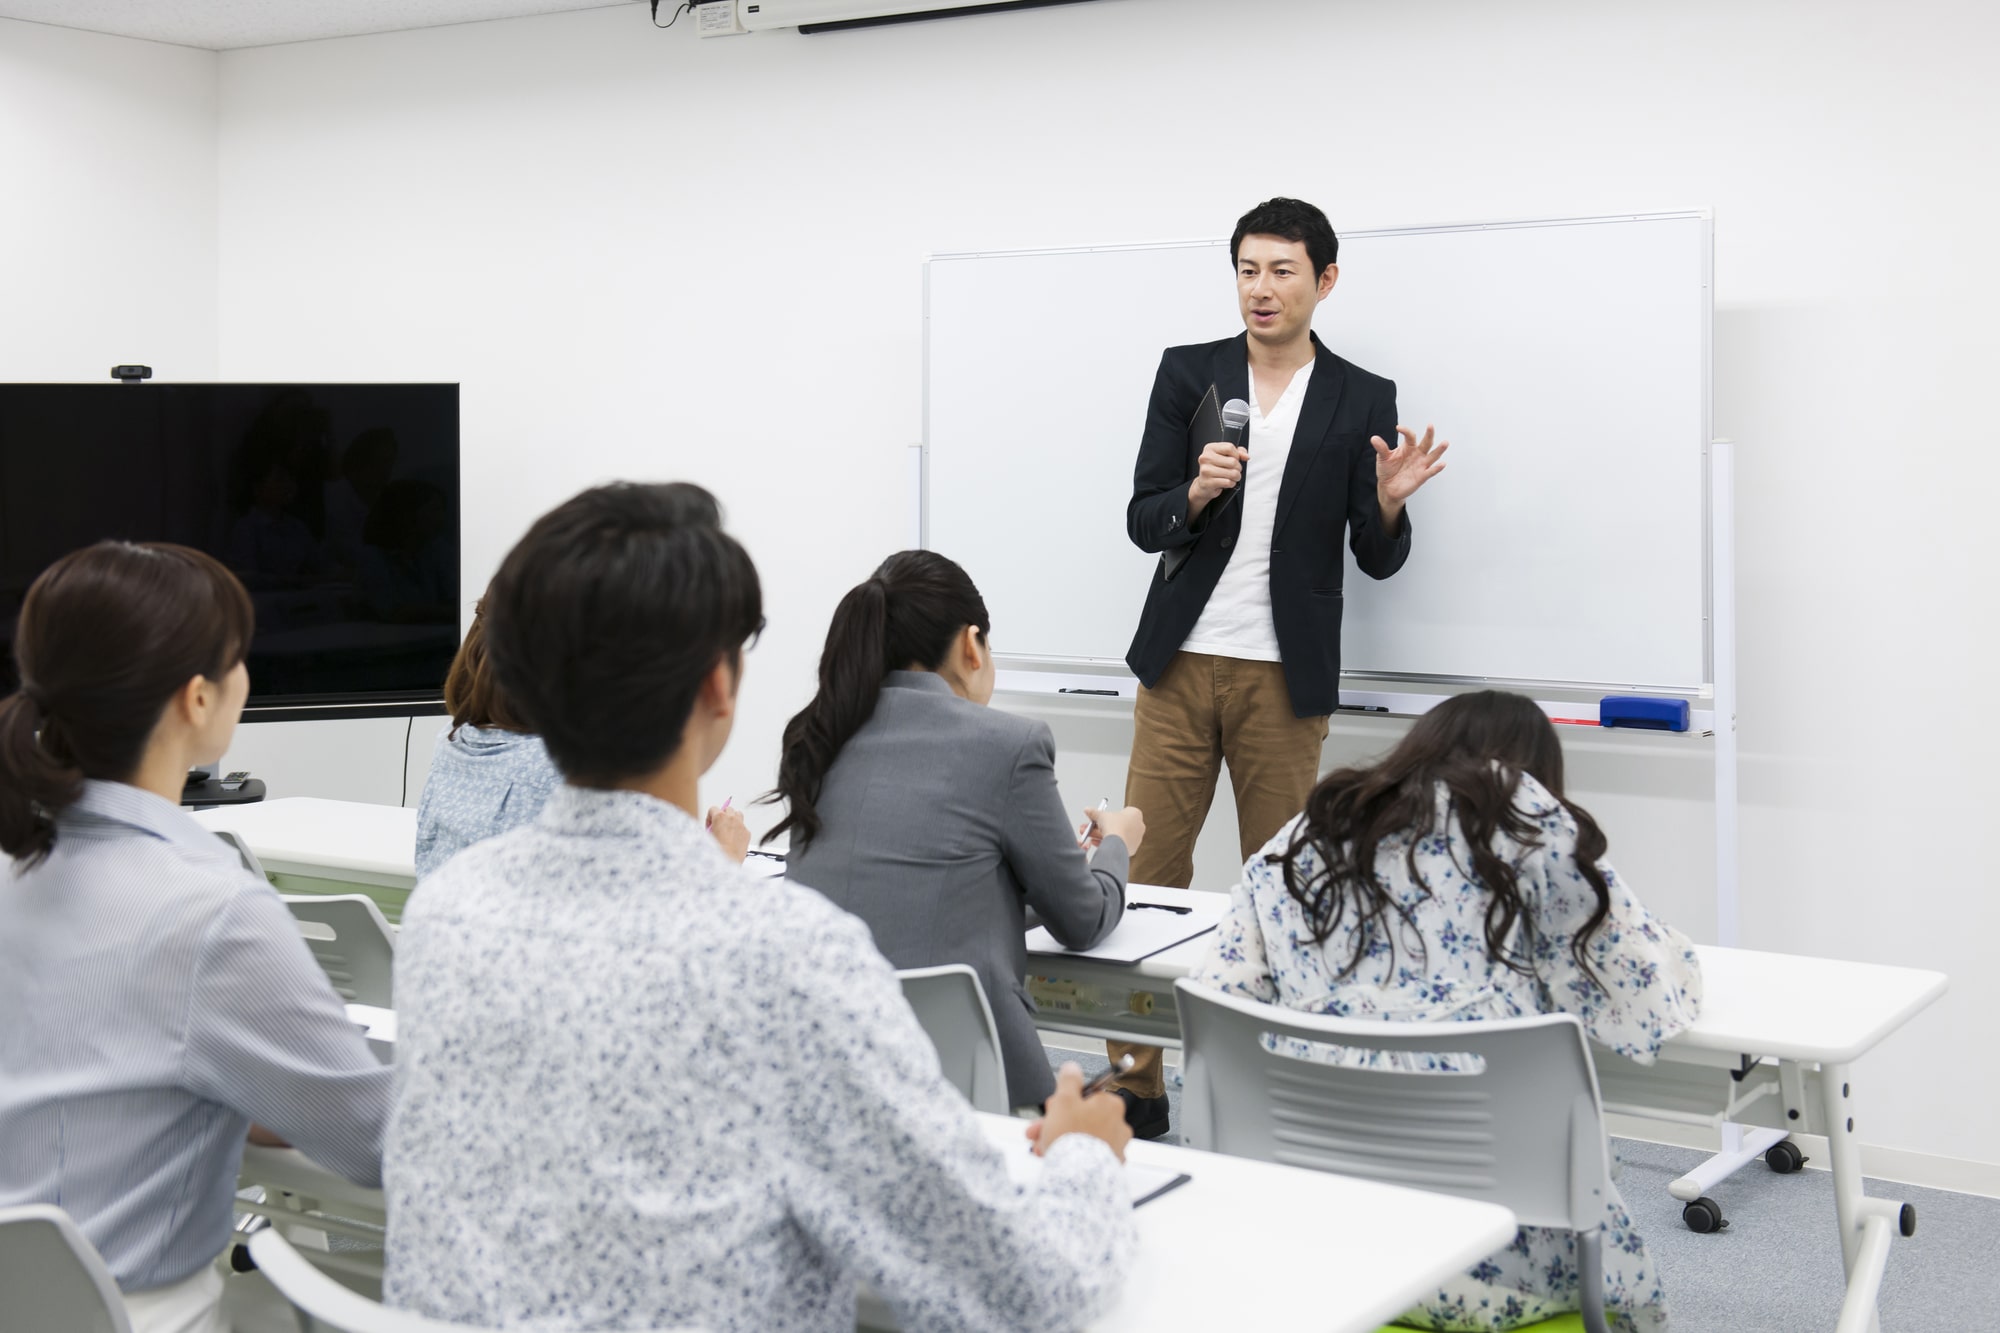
column 638, row 1087
column 1648, row 989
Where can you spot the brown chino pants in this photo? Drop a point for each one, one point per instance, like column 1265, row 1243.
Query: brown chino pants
column 1205, row 710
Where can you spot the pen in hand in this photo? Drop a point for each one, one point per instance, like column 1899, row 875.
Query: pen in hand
column 1090, row 821
column 1104, row 1080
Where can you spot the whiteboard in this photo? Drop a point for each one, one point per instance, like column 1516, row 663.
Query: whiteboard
column 1567, row 361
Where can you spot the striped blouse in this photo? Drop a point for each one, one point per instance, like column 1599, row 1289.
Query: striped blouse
column 157, row 998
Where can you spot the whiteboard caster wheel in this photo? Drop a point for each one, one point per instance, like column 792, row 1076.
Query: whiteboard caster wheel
column 1703, row 1215
column 1784, row 1157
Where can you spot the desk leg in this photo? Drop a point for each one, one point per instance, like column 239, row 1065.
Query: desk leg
column 1846, row 1164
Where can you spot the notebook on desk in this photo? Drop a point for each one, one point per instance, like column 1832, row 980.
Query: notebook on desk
column 1147, row 1183
column 1155, row 920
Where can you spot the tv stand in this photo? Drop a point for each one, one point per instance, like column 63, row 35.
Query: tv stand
column 205, row 795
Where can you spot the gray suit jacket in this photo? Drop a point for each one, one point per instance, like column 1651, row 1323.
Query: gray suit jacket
column 941, row 828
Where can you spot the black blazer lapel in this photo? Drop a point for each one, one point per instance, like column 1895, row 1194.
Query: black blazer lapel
column 1229, row 372
column 1315, row 417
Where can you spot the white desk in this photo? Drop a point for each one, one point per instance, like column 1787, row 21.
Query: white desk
column 1772, row 1051
column 309, row 845
column 1357, row 1254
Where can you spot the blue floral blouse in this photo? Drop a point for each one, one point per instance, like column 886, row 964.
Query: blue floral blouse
column 1649, row 990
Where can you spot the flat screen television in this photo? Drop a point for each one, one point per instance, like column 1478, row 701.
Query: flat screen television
column 336, row 504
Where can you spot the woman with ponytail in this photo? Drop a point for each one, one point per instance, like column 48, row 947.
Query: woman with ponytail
column 159, row 998
column 934, row 818
column 1453, row 881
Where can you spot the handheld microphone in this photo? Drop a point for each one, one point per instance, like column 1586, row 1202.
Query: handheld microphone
column 1235, row 417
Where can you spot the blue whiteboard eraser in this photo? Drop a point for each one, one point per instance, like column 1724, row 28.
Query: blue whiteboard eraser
column 1637, row 710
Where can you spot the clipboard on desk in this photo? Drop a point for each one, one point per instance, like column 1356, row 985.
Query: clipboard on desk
column 1155, row 920
column 1204, row 429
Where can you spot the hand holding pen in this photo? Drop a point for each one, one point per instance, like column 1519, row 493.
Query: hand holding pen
column 726, row 826
column 1103, row 822
column 1076, row 1107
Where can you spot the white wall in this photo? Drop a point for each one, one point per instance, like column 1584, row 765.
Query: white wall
column 109, row 224
column 107, row 205
column 649, row 256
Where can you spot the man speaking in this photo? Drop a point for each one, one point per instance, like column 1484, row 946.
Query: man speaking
column 1238, row 649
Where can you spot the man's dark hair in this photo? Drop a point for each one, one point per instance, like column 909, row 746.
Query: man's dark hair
column 605, row 619
column 1291, row 220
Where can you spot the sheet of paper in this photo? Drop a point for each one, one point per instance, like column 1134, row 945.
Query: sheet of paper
column 1146, row 1183
column 1149, row 925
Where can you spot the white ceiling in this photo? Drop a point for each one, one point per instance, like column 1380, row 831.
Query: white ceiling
column 223, row 25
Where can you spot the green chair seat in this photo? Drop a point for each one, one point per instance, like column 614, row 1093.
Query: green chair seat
column 1562, row 1323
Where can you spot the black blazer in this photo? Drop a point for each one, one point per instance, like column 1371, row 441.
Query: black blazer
column 1329, row 484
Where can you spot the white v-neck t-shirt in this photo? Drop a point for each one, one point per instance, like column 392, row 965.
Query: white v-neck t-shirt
column 1237, row 620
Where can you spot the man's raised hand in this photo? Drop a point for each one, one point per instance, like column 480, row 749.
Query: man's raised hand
column 1400, row 472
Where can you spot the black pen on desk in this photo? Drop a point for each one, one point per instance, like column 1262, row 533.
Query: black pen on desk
column 1065, row 689
column 1158, row 907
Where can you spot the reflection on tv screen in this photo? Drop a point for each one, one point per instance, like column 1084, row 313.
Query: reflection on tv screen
column 336, row 504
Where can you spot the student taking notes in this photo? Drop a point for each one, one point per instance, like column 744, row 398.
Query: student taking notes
column 934, row 818
column 640, row 1087
column 157, row 997
column 1454, row 882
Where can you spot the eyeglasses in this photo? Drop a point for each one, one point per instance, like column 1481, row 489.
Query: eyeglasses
column 755, row 634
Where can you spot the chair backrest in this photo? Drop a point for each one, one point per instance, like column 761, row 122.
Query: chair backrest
column 51, row 1277
column 330, row 1306
column 351, row 939
column 1521, row 1127
column 327, row 1304
column 951, row 1005
column 242, row 850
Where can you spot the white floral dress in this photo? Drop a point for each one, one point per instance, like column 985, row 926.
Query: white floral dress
column 1441, row 972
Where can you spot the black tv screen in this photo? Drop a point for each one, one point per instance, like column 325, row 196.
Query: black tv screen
column 336, row 504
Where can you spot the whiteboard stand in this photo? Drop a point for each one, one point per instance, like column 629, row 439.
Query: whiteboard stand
column 1722, row 632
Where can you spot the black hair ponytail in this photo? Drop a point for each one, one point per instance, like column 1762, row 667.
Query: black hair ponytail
column 35, row 783
column 908, row 613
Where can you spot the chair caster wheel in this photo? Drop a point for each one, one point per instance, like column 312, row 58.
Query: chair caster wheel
column 1784, row 1157
column 1703, row 1215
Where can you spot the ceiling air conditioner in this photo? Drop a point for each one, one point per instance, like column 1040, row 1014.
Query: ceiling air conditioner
column 756, row 15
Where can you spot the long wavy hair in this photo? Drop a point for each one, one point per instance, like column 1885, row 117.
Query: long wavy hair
column 908, row 613
column 1476, row 746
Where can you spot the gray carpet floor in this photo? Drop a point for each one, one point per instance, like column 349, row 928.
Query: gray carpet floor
column 1776, row 1267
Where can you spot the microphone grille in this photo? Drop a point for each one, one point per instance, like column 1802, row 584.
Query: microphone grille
column 1236, row 414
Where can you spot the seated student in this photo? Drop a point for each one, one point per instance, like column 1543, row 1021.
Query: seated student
column 638, row 1086
column 488, row 774
column 933, row 818
column 1453, row 882
column 158, row 998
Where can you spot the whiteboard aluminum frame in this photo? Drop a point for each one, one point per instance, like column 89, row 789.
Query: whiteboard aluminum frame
column 1712, row 570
